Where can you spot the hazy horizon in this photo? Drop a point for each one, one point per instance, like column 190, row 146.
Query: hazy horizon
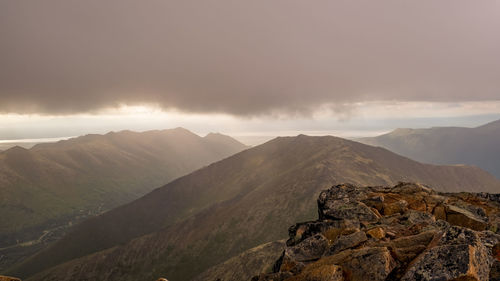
column 350, row 68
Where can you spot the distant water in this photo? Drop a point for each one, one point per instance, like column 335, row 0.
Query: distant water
column 27, row 143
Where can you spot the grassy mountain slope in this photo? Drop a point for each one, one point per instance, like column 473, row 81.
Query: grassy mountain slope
column 54, row 184
column 447, row 145
column 246, row 265
column 238, row 203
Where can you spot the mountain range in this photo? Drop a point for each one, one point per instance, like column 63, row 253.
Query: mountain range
column 45, row 189
column 478, row 146
column 204, row 218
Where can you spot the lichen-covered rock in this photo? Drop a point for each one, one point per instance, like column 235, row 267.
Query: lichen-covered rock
column 301, row 231
column 310, row 249
column 347, row 209
column 406, row 232
column 347, row 241
column 451, row 262
column 462, row 217
column 361, row 264
column 344, row 202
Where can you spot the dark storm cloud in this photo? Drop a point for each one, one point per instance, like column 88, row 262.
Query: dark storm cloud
column 244, row 57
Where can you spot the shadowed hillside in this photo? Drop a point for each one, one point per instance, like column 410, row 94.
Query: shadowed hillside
column 447, row 145
column 238, row 203
column 51, row 186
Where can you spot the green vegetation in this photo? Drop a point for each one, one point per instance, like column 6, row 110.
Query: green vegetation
column 63, row 183
column 202, row 219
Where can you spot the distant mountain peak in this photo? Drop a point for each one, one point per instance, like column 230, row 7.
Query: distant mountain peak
column 16, row 151
column 446, row 145
column 491, row 125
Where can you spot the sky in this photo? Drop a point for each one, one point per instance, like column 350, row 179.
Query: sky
column 246, row 68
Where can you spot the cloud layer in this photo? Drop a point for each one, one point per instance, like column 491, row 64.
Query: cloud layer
column 244, row 57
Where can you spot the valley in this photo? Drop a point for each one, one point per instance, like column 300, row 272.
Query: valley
column 215, row 213
column 53, row 186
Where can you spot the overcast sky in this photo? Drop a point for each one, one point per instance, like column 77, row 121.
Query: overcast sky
column 313, row 64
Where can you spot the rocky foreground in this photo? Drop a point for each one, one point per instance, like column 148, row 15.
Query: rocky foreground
column 406, row 232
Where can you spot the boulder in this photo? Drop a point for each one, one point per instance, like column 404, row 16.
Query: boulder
column 459, row 255
column 347, row 209
column 397, row 207
column 376, row 232
column 347, row 241
column 462, row 217
column 406, row 232
column 361, row 264
column 301, row 231
column 451, row 262
column 310, row 249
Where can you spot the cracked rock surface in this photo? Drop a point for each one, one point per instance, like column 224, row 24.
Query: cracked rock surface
column 405, row 232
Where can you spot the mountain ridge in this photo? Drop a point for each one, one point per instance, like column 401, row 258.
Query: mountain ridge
column 258, row 193
column 446, row 145
column 57, row 184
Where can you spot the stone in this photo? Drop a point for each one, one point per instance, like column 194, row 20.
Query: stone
column 301, row 231
column 411, row 188
column 347, row 241
column 432, row 201
column 416, row 217
column 362, row 264
column 462, row 217
column 407, row 254
column 376, row 202
column 423, row 238
column 376, row 232
column 310, row 249
column 406, row 232
column 459, row 255
column 347, row 209
column 395, row 208
column 450, row 262
column 326, row 272
column 439, row 212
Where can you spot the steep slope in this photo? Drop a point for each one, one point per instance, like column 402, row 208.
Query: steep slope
column 51, row 185
column 447, row 145
column 230, row 206
column 245, row 265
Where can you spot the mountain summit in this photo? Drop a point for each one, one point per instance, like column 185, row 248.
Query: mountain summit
column 212, row 214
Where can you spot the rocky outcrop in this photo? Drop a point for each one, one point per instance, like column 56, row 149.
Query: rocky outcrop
column 406, row 232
